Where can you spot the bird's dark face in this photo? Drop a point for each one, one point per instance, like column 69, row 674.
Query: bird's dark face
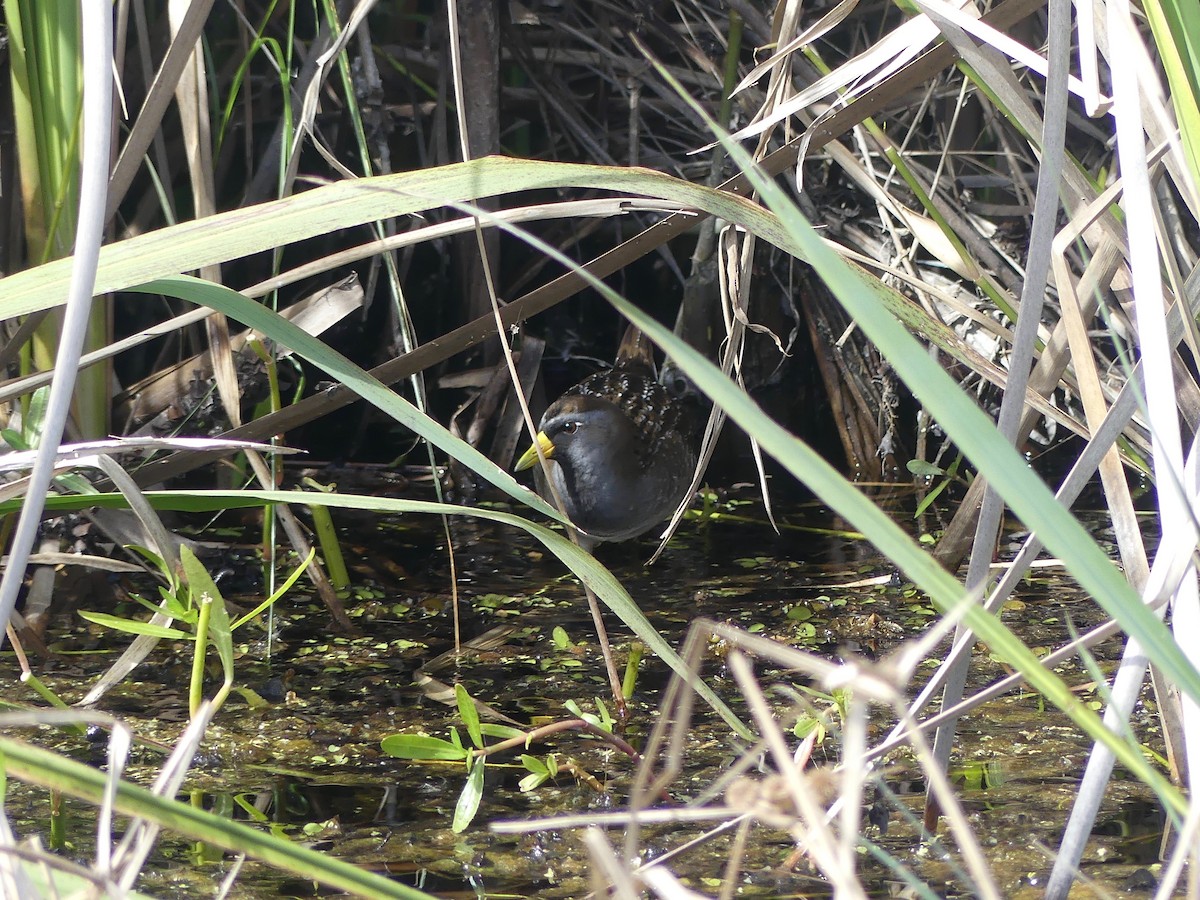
column 593, row 466
column 584, row 431
column 578, row 432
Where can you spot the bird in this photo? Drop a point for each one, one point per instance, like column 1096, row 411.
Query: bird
column 620, row 448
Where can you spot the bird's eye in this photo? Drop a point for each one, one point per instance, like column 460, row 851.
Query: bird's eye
column 570, row 427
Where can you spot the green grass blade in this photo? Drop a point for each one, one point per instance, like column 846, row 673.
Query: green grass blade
column 41, row 767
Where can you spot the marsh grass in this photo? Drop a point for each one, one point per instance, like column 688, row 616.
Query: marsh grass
column 1015, row 250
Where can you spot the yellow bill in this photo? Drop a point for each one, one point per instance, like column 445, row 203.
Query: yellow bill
column 530, row 457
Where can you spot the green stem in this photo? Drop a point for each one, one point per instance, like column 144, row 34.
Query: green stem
column 335, row 562
column 196, row 693
column 631, row 669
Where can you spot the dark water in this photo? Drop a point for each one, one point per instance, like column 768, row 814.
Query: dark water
column 310, row 759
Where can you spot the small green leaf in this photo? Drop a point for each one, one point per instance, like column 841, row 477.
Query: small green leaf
column 560, row 638
column 924, row 469
column 149, row 607
column 421, row 746
column 534, row 765
column 201, row 583
column 469, row 715
column 531, row 782
column 283, row 589
column 245, row 803
column 590, row 718
column 927, row 501
column 503, row 732
column 805, row 725
column 173, row 606
column 132, row 626
column 606, row 720
column 468, row 800
column 151, row 557
column 253, row 699
column 35, row 416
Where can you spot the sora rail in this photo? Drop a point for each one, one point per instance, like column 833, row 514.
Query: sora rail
column 620, row 449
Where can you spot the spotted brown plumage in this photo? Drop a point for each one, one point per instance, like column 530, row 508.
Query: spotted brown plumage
column 619, row 448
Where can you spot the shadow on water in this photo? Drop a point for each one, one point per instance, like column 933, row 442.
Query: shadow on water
column 298, row 750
